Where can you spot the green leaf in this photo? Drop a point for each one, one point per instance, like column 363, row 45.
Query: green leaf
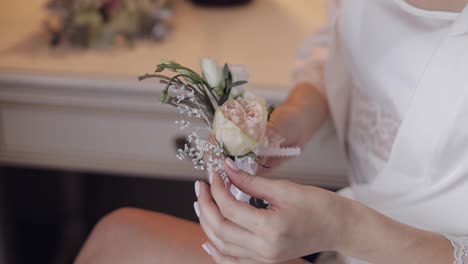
column 223, row 99
column 163, row 96
column 226, row 72
column 234, row 84
column 192, row 77
column 160, row 68
column 270, row 110
column 227, row 90
column 169, row 63
column 224, row 88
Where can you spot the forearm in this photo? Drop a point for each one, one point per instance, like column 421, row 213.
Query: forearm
column 311, row 106
column 376, row 238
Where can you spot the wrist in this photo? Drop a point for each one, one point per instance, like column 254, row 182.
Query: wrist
column 351, row 228
column 365, row 233
column 310, row 107
column 346, row 216
column 335, row 222
column 371, row 236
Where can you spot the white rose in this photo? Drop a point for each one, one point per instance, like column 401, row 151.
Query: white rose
column 240, row 124
column 212, row 72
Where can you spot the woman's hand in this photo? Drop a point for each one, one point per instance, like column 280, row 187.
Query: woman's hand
column 300, row 220
column 286, row 129
column 296, row 120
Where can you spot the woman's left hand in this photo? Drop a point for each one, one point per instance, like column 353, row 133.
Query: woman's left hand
column 301, row 220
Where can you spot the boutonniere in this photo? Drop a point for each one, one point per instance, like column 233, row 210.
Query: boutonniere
column 234, row 116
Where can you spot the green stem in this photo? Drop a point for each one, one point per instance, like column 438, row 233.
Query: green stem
column 200, row 79
column 201, row 91
column 187, row 85
column 147, row 76
column 208, row 97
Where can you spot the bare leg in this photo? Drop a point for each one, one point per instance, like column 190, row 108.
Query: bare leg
column 137, row 236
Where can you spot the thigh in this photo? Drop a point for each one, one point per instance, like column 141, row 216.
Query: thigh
column 131, row 235
column 137, row 236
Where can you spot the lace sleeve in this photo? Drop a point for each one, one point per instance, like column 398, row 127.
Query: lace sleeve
column 460, row 248
column 312, row 55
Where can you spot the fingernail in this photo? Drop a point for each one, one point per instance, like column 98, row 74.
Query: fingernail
column 210, row 177
column 197, row 211
column 207, row 249
column 232, row 164
column 197, row 188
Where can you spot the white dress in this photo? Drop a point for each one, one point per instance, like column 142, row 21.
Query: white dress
column 385, row 56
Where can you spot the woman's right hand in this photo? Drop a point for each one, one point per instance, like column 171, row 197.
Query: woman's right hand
column 285, row 129
column 295, row 121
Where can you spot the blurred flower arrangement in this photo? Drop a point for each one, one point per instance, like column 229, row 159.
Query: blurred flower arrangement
column 104, row 23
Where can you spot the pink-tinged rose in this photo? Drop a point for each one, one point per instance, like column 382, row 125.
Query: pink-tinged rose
column 240, row 123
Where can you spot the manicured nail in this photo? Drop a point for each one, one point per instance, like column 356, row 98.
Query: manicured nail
column 232, row 164
column 197, row 188
column 207, row 249
column 197, row 211
column 210, row 177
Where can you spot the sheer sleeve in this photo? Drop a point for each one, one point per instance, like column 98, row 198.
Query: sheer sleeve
column 312, row 55
column 460, row 248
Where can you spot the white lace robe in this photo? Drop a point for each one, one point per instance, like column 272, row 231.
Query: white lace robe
column 394, row 61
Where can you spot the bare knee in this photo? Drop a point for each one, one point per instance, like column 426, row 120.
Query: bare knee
column 130, row 235
column 118, row 220
column 110, row 234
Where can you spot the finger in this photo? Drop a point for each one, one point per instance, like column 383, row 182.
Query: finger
column 210, row 154
column 226, row 248
column 228, row 237
column 235, row 211
column 221, row 258
column 256, row 186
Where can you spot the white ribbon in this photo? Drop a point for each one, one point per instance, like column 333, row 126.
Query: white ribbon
column 269, row 148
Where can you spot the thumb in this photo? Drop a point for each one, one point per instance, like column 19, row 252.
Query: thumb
column 253, row 185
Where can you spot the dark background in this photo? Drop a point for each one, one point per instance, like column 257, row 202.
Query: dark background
column 47, row 214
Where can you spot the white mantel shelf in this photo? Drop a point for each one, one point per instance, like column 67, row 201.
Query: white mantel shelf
column 84, row 110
